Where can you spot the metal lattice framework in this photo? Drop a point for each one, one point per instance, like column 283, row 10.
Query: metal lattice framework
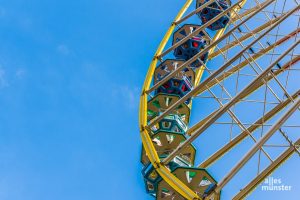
column 249, row 86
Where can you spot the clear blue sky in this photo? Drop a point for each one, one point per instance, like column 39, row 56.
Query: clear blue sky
column 70, row 79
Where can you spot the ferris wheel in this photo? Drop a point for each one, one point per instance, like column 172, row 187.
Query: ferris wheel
column 237, row 63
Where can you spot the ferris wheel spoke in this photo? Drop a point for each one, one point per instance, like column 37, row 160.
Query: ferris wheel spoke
column 252, row 68
column 244, row 37
column 216, row 73
column 193, row 13
column 225, row 12
column 212, row 45
column 266, row 172
column 250, row 11
column 245, row 92
column 240, row 66
column 257, row 124
column 241, row 125
column 265, row 117
column 257, row 146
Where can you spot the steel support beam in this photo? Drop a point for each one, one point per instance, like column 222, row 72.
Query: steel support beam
column 246, row 62
column 276, row 73
column 265, row 173
column 249, row 11
column 194, row 12
column 201, row 28
column 147, row 142
column 245, row 92
column 218, row 72
column 243, row 38
column 206, row 49
column 269, row 115
column 257, row 146
column 235, row 18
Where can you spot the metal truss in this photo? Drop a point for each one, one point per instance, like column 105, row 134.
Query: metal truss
column 260, row 60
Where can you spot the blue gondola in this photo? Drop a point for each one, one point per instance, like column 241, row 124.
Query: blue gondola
column 212, row 11
column 176, row 86
column 192, row 46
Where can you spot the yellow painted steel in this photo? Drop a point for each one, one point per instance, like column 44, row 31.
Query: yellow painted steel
column 147, row 142
column 164, row 172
